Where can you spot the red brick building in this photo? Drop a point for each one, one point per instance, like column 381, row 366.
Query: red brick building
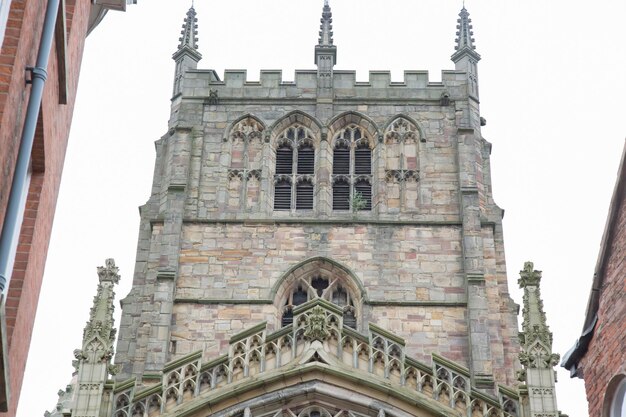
column 22, row 23
column 599, row 356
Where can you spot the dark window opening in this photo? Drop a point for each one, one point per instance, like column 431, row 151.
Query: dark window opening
column 304, row 196
column 299, row 297
column 363, row 160
column 287, row 317
column 341, row 195
column 306, row 160
column 341, row 160
column 319, row 284
column 282, row 195
column 284, row 160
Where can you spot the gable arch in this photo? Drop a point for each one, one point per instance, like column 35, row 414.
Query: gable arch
column 229, row 129
column 420, row 129
column 308, row 267
column 353, row 117
column 294, row 117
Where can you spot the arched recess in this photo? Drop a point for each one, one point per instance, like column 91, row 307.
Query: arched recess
column 420, row 129
column 324, row 278
column 243, row 144
column 352, row 117
column 297, row 117
column 402, row 136
column 229, row 129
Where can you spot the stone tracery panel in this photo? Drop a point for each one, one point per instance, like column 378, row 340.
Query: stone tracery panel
column 402, row 139
column 245, row 147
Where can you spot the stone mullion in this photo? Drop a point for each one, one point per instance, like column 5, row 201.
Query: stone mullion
column 323, row 190
column 267, row 179
column 225, row 162
column 381, row 177
column 243, row 200
column 402, row 176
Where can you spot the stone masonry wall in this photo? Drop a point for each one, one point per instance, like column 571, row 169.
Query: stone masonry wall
column 213, row 250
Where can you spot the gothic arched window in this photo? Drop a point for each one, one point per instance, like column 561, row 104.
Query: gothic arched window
column 295, row 166
column 320, row 286
column 352, row 169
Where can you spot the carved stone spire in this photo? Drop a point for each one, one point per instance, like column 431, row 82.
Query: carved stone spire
column 84, row 395
column 326, row 27
column 99, row 334
column 190, row 31
column 465, row 59
column 325, row 52
column 187, row 55
column 464, row 36
column 536, row 354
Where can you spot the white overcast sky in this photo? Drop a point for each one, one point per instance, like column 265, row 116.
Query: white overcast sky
column 552, row 87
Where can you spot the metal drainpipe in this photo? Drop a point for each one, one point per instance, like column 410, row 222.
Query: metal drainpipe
column 11, row 227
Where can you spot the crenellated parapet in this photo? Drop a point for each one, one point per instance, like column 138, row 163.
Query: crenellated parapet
column 415, row 86
column 315, row 347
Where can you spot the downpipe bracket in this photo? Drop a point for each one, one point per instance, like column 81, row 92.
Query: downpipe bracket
column 36, row 72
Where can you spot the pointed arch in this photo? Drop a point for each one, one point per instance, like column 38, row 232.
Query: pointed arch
column 327, row 264
column 230, row 127
column 420, row 129
column 297, row 117
column 353, row 117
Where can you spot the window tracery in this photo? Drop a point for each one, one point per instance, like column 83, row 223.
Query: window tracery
column 294, row 176
column 352, row 169
column 402, row 164
column 319, row 286
column 245, row 146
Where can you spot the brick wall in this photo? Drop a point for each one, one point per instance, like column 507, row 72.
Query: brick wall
column 18, row 51
column 606, row 356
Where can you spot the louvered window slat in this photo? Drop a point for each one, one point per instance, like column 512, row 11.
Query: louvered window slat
column 284, row 160
column 363, row 161
column 365, row 189
column 341, row 196
column 304, row 196
column 282, row 196
column 306, row 160
column 341, row 161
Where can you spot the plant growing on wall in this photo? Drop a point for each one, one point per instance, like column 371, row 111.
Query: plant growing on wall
column 358, row 202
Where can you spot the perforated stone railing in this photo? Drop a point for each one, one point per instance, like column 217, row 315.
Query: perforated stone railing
column 317, row 322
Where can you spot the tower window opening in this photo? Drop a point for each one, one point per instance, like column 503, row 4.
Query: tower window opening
column 295, row 163
column 352, row 170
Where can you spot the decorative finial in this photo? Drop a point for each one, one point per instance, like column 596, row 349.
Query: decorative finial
column 109, row 272
column 464, row 32
column 189, row 33
column 535, row 330
column 99, row 333
column 326, row 27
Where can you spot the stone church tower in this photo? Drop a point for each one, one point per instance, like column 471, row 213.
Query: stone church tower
column 322, row 247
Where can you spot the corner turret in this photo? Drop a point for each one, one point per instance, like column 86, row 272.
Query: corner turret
column 187, row 55
column 465, row 58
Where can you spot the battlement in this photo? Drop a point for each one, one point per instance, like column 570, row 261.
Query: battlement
column 235, row 84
